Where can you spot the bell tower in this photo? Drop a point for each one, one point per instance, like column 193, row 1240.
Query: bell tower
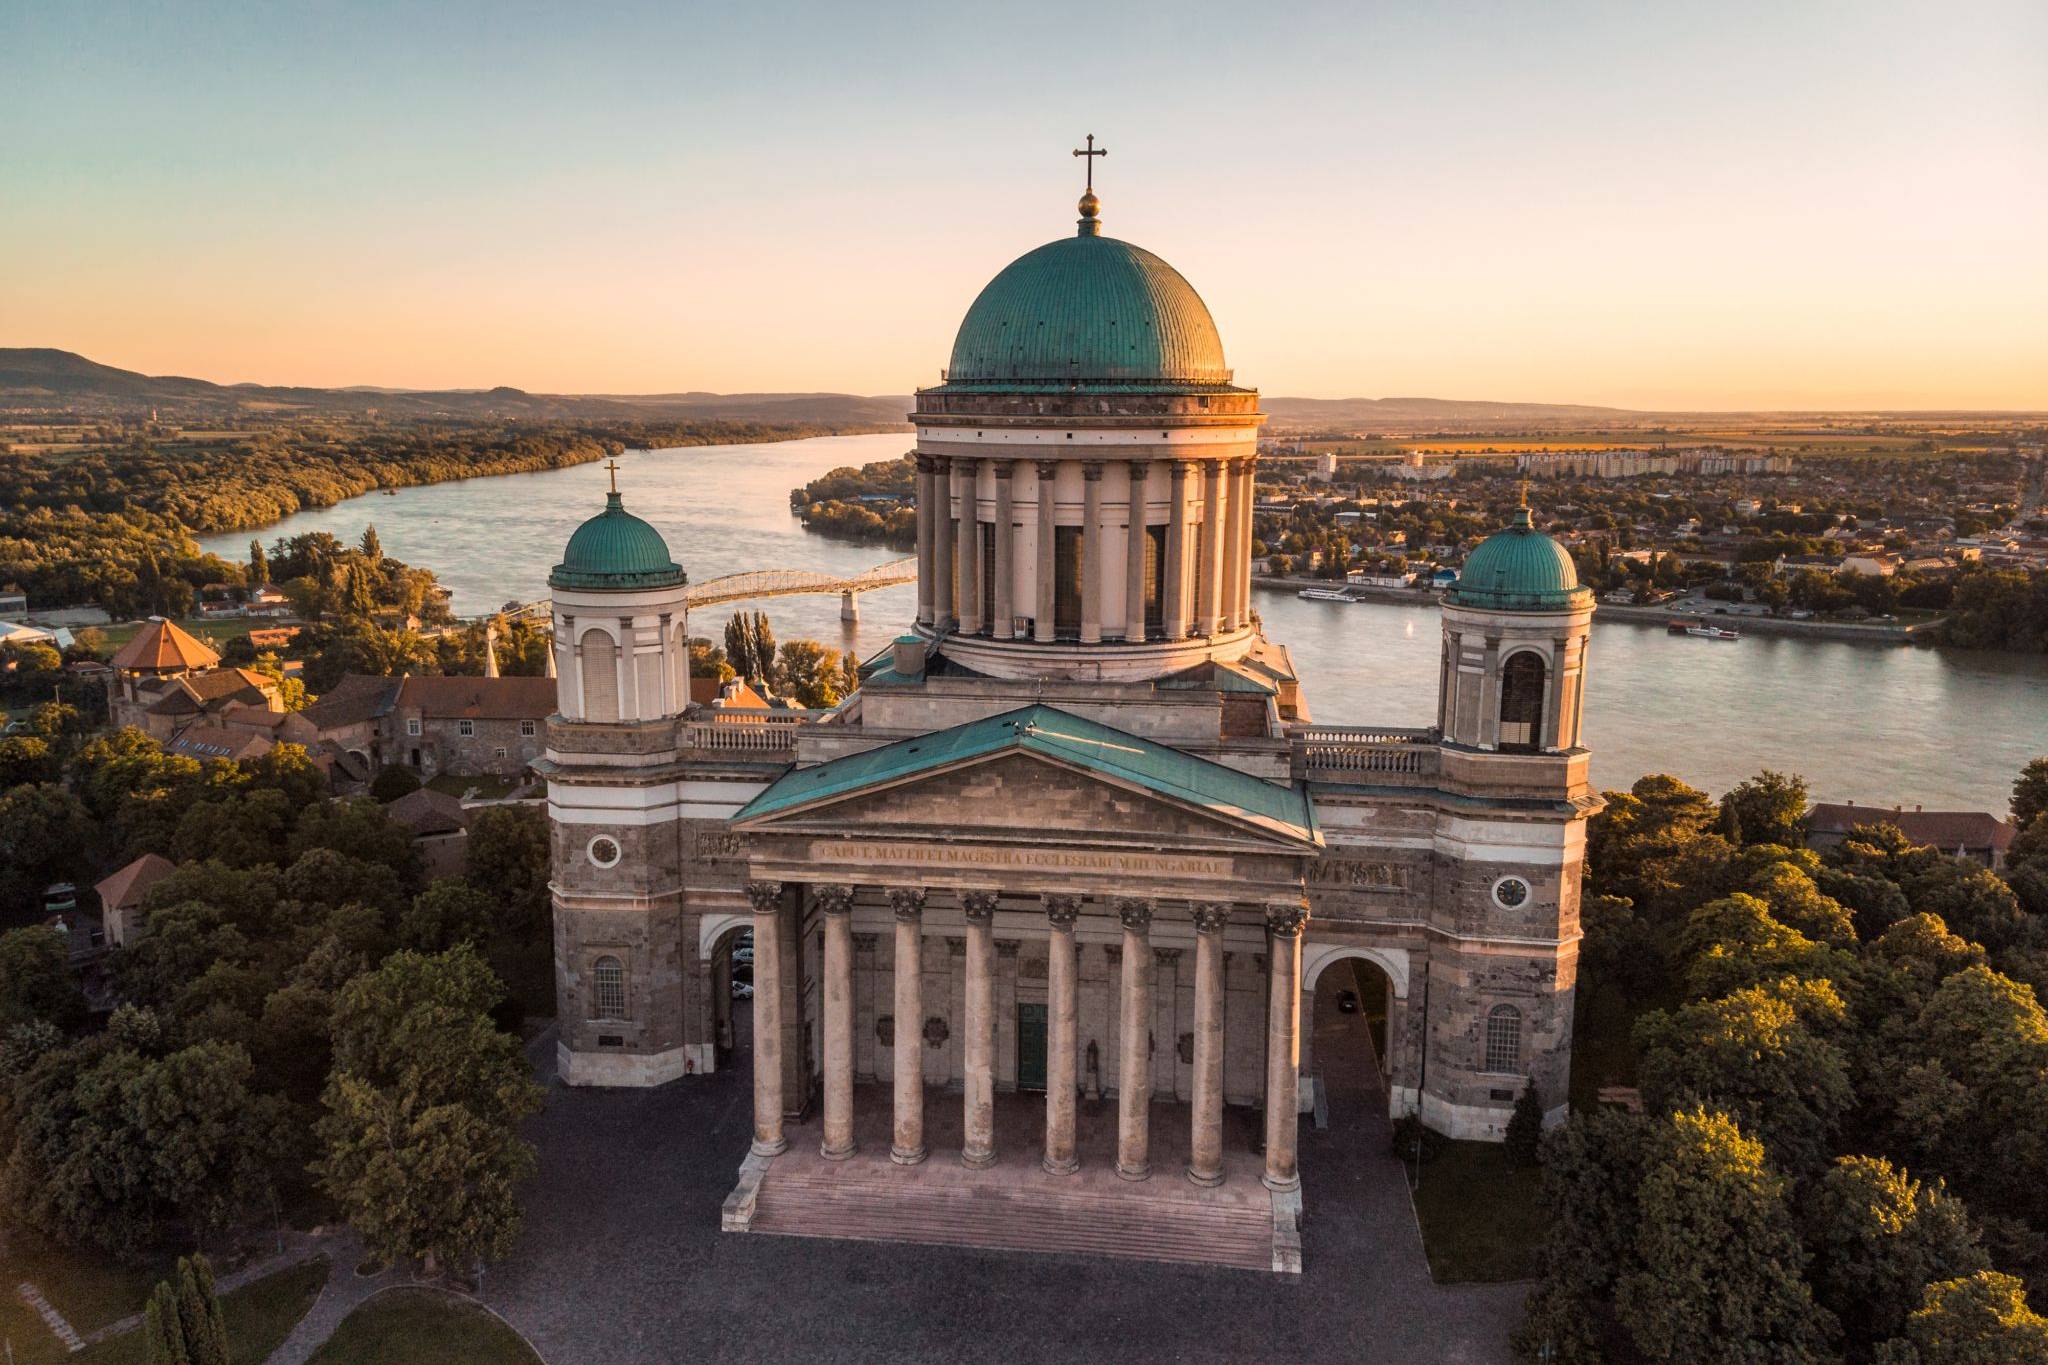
column 621, row 650
column 1514, row 657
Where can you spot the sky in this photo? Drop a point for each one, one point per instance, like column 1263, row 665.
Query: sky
column 1793, row 204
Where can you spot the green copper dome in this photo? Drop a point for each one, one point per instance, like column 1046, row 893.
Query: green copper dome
column 1087, row 310
column 616, row 550
column 1519, row 569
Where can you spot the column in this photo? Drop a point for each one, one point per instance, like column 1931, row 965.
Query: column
column 1134, row 556
column 1044, row 629
column 924, row 540
column 1284, row 921
column 1006, row 616
column 1091, row 553
column 1206, row 1148
column 979, row 1087
column 1234, row 551
column 1134, row 1073
column 1176, row 608
column 1206, row 611
column 836, row 903
column 766, row 898
column 1063, row 1035
column 966, row 477
column 906, row 1147
column 1246, row 504
column 942, row 542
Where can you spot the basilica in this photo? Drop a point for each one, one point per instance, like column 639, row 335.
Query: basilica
column 1036, row 915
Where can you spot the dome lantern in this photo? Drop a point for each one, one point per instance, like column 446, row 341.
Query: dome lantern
column 1519, row 568
column 616, row 551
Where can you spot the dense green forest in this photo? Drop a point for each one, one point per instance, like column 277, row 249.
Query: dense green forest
column 78, row 527
column 1843, row 1068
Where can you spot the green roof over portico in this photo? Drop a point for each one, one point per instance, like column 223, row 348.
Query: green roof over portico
column 1063, row 738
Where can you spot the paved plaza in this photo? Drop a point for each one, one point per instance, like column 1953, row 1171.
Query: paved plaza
column 622, row 1261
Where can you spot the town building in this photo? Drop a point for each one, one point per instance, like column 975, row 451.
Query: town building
column 455, row 726
column 122, row 895
column 1055, row 890
column 1978, row 835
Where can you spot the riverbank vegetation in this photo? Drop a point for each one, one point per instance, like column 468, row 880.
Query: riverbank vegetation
column 1842, row 1064
column 874, row 504
column 79, row 521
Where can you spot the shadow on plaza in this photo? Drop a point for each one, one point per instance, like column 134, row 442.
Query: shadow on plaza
column 622, row 1259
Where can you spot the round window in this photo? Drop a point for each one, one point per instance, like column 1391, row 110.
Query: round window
column 604, row 851
column 1510, row 892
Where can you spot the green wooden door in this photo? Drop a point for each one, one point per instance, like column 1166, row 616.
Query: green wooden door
column 1031, row 1047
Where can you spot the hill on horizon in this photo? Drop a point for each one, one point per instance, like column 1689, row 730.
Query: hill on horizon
column 46, row 377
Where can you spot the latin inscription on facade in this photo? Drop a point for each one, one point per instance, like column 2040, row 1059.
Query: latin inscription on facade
column 1046, row 860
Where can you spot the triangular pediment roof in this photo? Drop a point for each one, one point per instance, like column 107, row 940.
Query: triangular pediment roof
column 1061, row 738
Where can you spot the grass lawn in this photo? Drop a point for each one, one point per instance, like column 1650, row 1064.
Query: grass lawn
column 1482, row 1222
column 90, row 1290
column 423, row 1327
column 215, row 631
column 259, row 1317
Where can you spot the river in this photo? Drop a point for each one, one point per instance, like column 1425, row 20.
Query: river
column 1874, row 724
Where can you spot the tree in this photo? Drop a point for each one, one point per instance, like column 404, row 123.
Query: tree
column 26, row 759
column 163, row 1329
column 447, row 913
column 1524, row 1137
column 2030, row 793
column 1734, row 942
column 372, row 548
column 1878, row 1235
column 1769, row 808
column 392, row 781
column 1592, row 1169
column 420, row 1134
column 44, row 837
column 507, row 859
column 199, row 1314
column 36, row 981
column 259, row 567
column 1718, row 1267
column 1762, row 1057
column 1978, row 1319
column 810, row 673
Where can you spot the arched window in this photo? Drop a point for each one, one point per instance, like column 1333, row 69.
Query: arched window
column 600, row 676
column 1504, row 1040
column 1521, row 702
column 608, row 989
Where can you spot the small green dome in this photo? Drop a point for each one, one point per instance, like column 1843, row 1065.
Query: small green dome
column 1519, row 569
column 616, row 550
column 1088, row 310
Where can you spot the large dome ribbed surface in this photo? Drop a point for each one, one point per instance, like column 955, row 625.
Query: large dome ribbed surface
column 1085, row 309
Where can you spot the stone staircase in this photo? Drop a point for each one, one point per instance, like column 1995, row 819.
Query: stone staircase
column 1026, row 1216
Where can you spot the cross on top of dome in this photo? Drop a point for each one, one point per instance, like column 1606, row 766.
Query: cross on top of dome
column 1091, row 207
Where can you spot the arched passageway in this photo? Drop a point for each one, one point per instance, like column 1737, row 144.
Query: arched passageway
column 731, row 955
column 1346, row 1032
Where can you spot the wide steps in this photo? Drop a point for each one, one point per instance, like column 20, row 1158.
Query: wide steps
column 1080, row 1222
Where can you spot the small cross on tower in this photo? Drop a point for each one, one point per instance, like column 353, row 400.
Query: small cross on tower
column 613, row 465
column 1092, row 152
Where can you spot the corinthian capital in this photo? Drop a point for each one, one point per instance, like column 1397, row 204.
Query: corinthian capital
column 834, row 898
column 1135, row 914
column 766, row 897
column 1286, row 918
column 1211, row 916
column 1062, row 911
column 980, row 906
column 907, row 902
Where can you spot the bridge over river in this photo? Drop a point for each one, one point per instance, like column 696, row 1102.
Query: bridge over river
column 756, row 584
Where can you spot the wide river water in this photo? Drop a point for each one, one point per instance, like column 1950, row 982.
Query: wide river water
column 1872, row 724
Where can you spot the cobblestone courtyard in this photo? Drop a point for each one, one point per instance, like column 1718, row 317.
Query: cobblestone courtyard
column 622, row 1261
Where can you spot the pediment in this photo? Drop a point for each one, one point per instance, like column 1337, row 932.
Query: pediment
column 1022, row 794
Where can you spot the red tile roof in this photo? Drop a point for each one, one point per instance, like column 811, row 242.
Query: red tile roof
column 163, row 647
column 1947, row 830
column 478, row 698
column 132, row 883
